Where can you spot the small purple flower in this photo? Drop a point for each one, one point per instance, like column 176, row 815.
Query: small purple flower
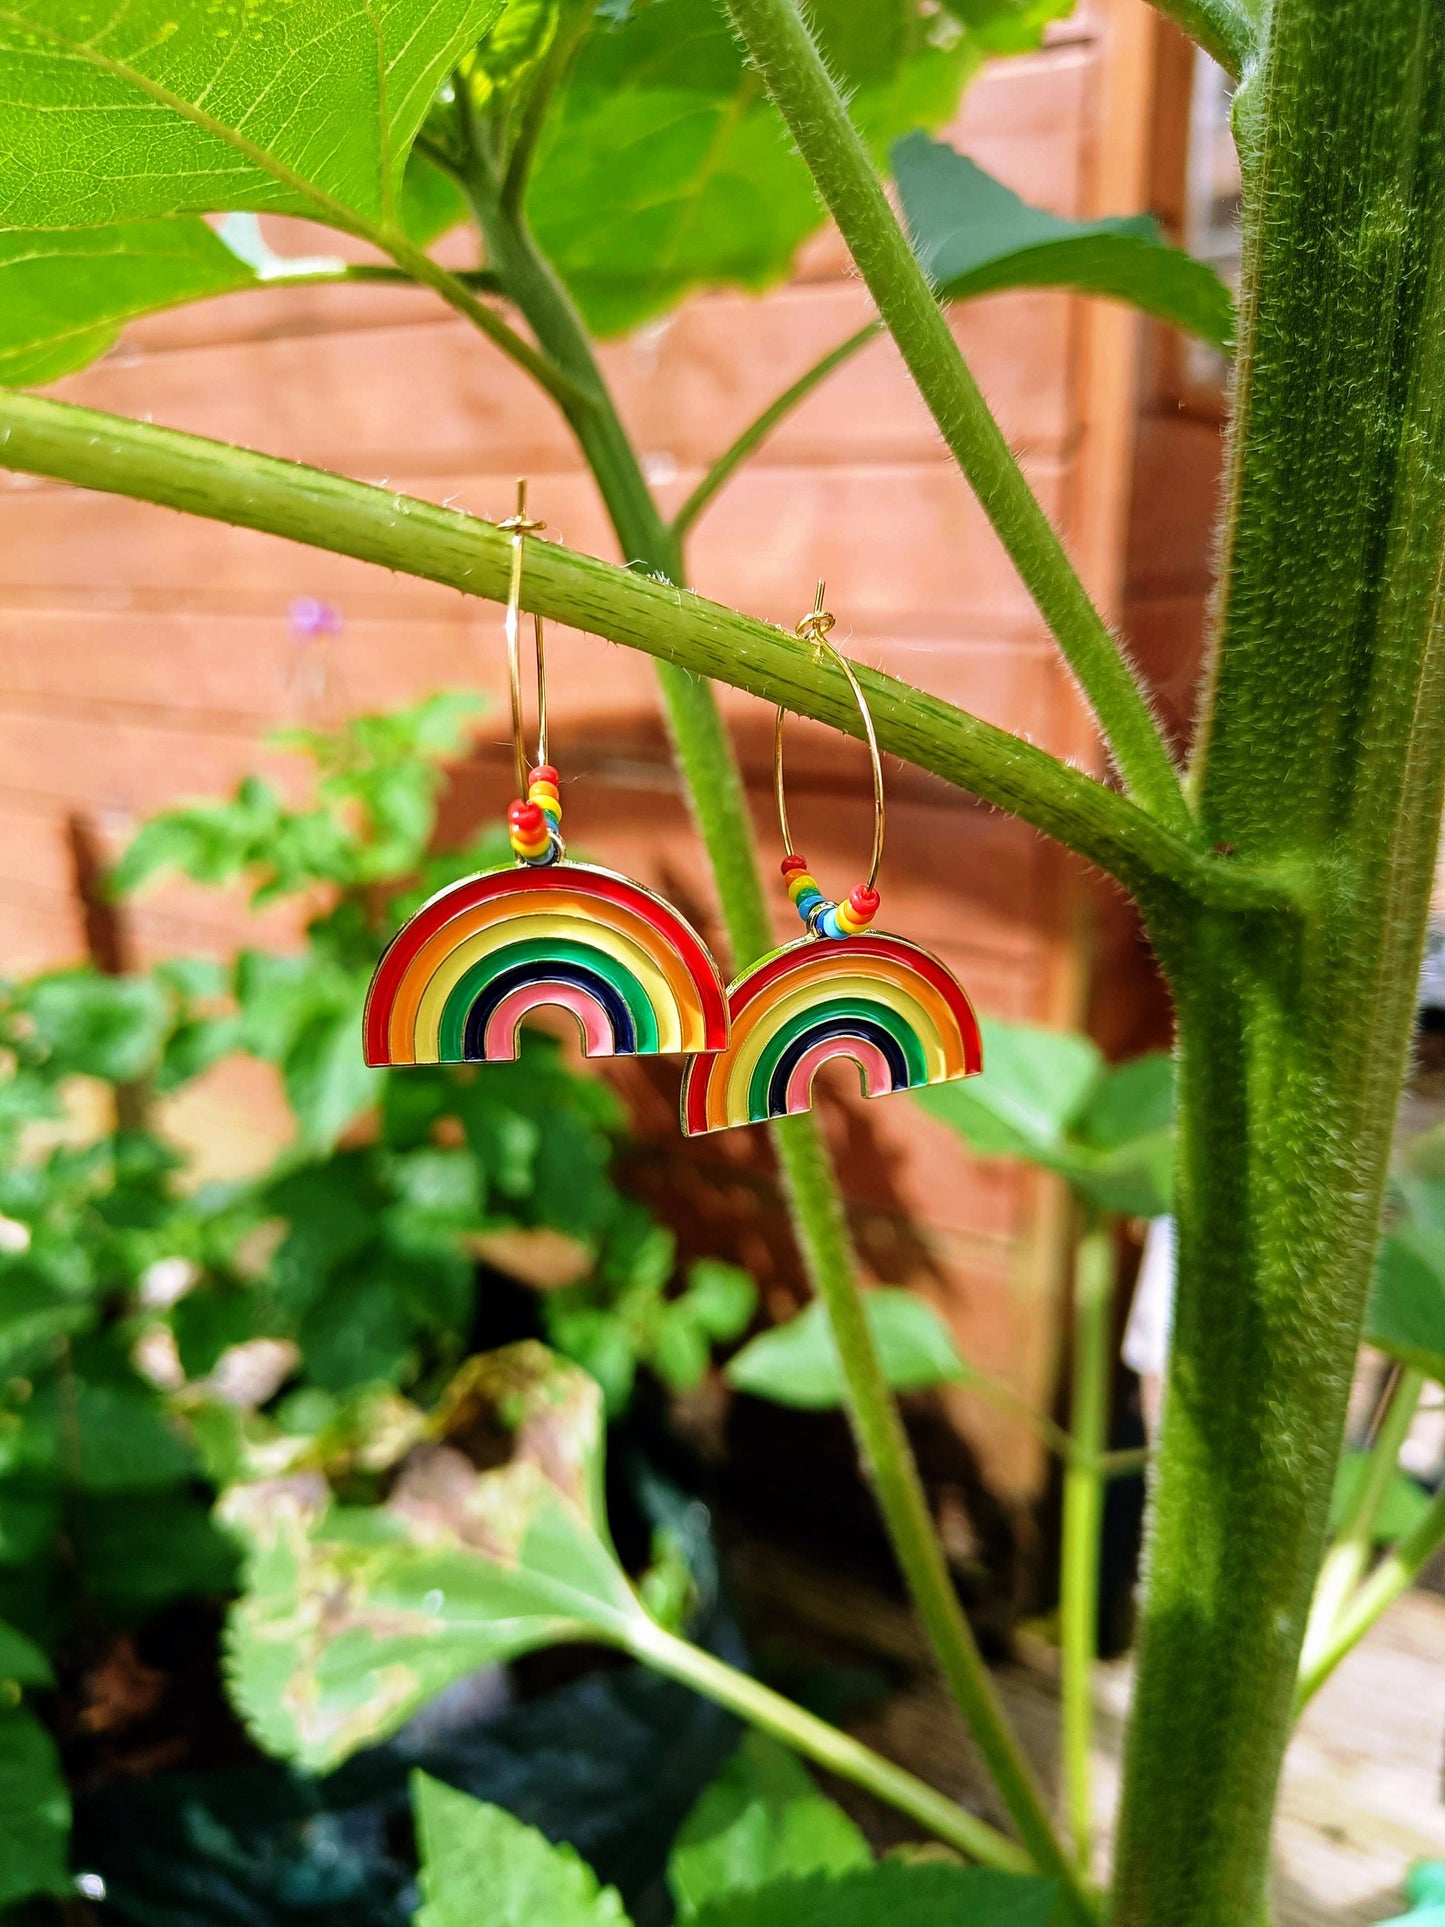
column 310, row 619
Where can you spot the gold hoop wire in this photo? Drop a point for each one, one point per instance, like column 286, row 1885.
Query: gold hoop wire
column 814, row 628
column 519, row 527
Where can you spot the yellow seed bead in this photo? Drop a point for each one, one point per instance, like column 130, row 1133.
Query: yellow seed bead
column 799, row 883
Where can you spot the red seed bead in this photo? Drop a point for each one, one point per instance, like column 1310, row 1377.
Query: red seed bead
column 790, row 865
column 526, row 819
column 863, row 901
column 544, row 773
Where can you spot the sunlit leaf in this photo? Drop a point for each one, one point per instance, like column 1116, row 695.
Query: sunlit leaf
column 974, row 235
column 664, row 166
column 353, row 1617
column 157, row 108
column 762, row 1819
column 797, row 1363
column 95, row 1026
column 1033, row 1088
column 64, row 297
column 1048, row 1098
column 479, row 1865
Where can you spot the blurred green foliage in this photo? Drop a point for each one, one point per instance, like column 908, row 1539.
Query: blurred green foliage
column 161, row 1337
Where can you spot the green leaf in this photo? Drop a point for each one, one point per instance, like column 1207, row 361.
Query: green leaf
column 21, row 1660
column 482, row 1868
column 94, row 1026
column 104, row 1437
column 33, row 1314
column 1034, row 1086
column 762, row 1819
column 431, row 202
column 973, row 235
column 1404, row 1505
column 1048, row 1097
column 160, row 108
column 140, row 1550
column 352, row 1618
column 1007, row 26
column 1406, row 1312
column 64, row 297
column 34, row 1812
column 663, row 166
column 796, row 1364
column 721, row 1297
column 892, row 1894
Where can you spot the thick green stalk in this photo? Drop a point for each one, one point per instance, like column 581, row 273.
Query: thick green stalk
column 828, row 1748
column 1083, row 1518
column 1397, row 1571
column 832, row 1268
column 778, row 41
column 1348, row 1557
column 327, row 511
column 1324, row 745
column 705, row 757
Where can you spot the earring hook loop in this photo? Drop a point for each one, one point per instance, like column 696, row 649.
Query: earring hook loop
column 814, row 628
column 519, row 527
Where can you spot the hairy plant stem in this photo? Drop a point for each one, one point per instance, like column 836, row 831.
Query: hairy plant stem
column 244, row 489
column 1324, row 744
column 834, row 1751
column 1094, row 1268
column 875, row 1415
column 779, row 42
column 709, row 769
column 1349, row 1555
column 1227, row 30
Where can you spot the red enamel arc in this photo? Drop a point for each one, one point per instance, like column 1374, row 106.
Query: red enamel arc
column 602, row 886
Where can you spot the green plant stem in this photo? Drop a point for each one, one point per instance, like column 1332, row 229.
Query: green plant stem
column 417, row 263
column 700, row 638
column 1347, row 1558
column 758, row 431
column 778, row 41
column 715, row 787
column 1323, row 743
column 1094, row 1268
column 901, row 1498
column 829, row 1748
column 1397, row 1571
column 1225, row 29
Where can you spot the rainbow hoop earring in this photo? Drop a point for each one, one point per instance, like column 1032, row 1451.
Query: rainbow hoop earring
column 841, row 990
column 457, row 980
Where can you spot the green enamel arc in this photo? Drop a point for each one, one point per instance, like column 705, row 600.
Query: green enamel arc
column 897, row 1027
column 451, row 1035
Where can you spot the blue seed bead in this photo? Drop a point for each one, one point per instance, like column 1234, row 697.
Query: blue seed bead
column 809, row 900
column 828, row 922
